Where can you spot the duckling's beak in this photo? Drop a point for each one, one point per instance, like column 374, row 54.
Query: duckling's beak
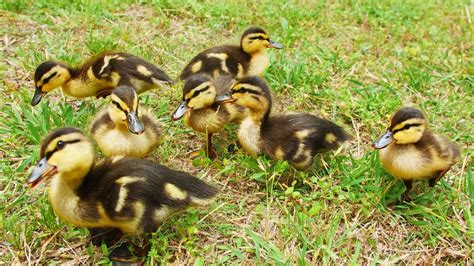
column 134, row 124
column 384, row 140
column 43, row 170
column 37, row 97
column 224, row 98
column 181, row 111
column 276, row 45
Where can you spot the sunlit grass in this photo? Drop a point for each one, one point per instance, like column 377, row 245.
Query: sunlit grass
column 351, row 62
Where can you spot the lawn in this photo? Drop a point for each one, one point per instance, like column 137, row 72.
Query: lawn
column 354, row 62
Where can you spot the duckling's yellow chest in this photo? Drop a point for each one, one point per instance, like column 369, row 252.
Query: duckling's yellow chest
column 65, row 203
column 207, row 120
column 120, row 141
column 80, row 88
column 258, row 64
column 407, row 162
column 249, row 137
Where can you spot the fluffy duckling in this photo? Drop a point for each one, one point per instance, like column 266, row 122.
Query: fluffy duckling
column 247, row 59
column 125, row 129
column 201, row 112
column 132, row 195
column 294, row 137
column 98, row 77
column 409, row 151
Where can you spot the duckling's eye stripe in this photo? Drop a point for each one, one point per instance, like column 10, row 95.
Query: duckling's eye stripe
column 197, row 92
column 244, row 90
column 118, row 106
column 46, row 80
column 407, row 126
column 50, row 153
column 258, row 38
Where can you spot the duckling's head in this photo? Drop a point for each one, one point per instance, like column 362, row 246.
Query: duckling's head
column 252, row 93
column 406, row 126
column 65, row 151
column 255, row 40
column 124, row 109
column 199, row 92
column 48, row 76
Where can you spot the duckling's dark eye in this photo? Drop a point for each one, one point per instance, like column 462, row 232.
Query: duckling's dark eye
column 407, row 126
column 258, row 38
column 117, row 105
column 244, row 90
column 46, row 80
column 196, row 93
column 60, row 145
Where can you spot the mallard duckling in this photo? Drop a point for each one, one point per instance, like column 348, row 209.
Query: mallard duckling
column 132, row 195
column 294, row 137
column 247, row 59
column 98, row 77
column 409, row 151
column 125, row 129
column 201, row 112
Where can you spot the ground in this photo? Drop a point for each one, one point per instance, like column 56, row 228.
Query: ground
column 354, row 62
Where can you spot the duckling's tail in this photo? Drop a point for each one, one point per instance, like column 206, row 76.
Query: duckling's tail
column 198, row 192
column 332, row 134
column 202, row 194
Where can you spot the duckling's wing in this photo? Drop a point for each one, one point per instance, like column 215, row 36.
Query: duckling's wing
column 225, row 59
column 136, row 67
column 444, row 149
column 326, row 135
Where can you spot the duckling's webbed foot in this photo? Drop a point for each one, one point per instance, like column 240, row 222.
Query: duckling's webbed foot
column 121, row 255
column 129, row 254
column 109, row 236
column 104, row 93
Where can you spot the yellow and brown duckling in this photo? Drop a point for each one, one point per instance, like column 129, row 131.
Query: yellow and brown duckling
column 131, row 195
column 409, row 151
column 247, row 59
column 98, row 76
column 294, row 137
column 125, row 128
column 200, row 110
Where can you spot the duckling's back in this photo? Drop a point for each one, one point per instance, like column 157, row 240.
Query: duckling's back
column 298, row 137
column 225, row 59
column 123, row 69
column 137, row 195
column 139, row 73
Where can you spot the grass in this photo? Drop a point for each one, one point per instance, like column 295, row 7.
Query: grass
column 354, row 62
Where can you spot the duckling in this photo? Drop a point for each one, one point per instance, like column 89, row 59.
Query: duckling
column 98, row 77
column 409, row 151
column 294, row 137
column 125, row 129
column 128, row 194
column 247, row 59
column 200, row 110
